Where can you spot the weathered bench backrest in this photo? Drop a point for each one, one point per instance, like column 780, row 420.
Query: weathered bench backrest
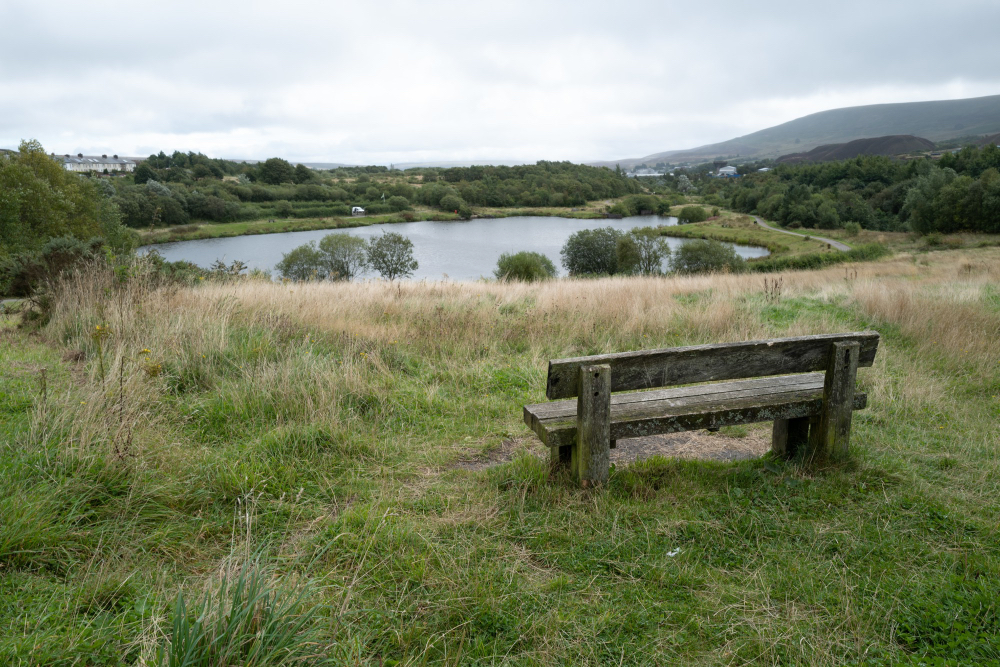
column 649, row 369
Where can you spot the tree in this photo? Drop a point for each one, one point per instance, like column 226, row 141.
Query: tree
column 276, row 171
column 526, row 266
column 704, row 256
column 591, row 251
column 302, row 174
column 392, row 255
column 142, row 174
column 39, row 201
column 344, row 256
column 302, row 263
column 642, row 251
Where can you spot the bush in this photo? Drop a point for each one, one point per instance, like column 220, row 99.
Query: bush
column 705, row 256
column 692, row 214
column 852, row 228
column 302, row 263
column 863, row 253
column 526, row 266
column 591, row 252
column 24, row 273
column 398, row 203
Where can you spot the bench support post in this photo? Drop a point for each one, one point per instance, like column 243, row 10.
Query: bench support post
column 592, row 453
column 789, row 435
column 831, row 433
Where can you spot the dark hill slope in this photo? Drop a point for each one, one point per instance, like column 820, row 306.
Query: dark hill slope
column 937, row 120
column 896, row 144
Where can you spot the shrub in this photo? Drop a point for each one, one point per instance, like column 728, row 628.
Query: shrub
column 692, row 214
column 852, row 228
column 398, row 203
column 24, row 273
column 591, row 252
column 526, row 266
column 707, row 255
column 302, row 263
column 862, row 253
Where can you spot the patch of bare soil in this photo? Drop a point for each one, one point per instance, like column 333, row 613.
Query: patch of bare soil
column 689, row 445
column 692, row 445
column 507, row 450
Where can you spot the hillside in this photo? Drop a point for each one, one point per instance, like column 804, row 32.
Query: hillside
column 936, row 120
column 891, row 145
column 355, row 452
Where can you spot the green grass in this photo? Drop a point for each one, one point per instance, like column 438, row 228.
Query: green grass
column 310, row 438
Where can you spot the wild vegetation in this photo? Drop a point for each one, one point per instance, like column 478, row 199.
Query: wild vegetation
column 958, row 193
column 169, row 191
column 337, row 472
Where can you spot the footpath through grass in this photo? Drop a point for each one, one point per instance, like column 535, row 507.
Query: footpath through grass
column 290, row 459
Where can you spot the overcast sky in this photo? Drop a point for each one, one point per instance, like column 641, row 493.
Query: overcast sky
column 376, row 82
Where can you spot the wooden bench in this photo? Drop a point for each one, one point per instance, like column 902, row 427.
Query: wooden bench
column 811, row 410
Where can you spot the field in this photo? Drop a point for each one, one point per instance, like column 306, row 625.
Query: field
column 353, row 455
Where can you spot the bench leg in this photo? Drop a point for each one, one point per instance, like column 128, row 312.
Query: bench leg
column 592, row 458
column 831, row 434
column 560, row 457
column 788, row 435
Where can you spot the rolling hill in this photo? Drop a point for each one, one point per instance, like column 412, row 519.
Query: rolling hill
column 936, row 121
column 896, row 144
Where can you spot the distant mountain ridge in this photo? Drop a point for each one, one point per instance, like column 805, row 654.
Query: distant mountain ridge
column 936, row 120
column 896, row 144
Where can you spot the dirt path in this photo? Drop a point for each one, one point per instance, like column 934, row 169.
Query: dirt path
column 836, row 244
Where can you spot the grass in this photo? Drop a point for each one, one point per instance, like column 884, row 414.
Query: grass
column 741, row 229
column 311, row 436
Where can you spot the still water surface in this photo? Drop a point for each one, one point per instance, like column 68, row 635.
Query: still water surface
column 445, row 250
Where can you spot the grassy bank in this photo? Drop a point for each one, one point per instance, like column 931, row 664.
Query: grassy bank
column 197, row 231
column 741, row 229
column 359, row 447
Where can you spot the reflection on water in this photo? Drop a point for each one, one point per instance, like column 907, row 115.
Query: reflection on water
column 455, row 250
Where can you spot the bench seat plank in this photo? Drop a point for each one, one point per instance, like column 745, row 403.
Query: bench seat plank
column 690, row 408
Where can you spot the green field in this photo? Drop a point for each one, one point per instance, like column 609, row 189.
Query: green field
column 354, row 454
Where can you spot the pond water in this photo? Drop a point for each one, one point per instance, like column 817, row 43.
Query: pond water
column 464, row 250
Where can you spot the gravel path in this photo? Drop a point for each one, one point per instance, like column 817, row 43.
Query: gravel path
column 836, row 244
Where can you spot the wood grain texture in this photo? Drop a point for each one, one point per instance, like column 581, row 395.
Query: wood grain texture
column 647, row 369
column 654, row 417
column 593, row 435
column 830, row 439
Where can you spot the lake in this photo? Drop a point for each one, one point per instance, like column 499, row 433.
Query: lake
column 465, row 250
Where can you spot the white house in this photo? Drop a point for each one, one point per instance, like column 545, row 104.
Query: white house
column 727, row 172
column 81, row 162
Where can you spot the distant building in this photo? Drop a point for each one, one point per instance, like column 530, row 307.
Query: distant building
column 81, row 162
column 644, row 172
column 764, row 169
column 727, row 172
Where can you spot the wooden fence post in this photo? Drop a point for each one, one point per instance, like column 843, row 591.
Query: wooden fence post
column 831, row 433
column 592, row 454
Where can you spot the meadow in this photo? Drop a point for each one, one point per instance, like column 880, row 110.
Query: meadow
column 248, row 472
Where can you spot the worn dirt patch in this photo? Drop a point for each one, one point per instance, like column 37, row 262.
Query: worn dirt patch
column 693, row 445
column 507, row 450
column 689, row 445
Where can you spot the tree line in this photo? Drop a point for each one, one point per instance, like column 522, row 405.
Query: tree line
column 960, row 192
